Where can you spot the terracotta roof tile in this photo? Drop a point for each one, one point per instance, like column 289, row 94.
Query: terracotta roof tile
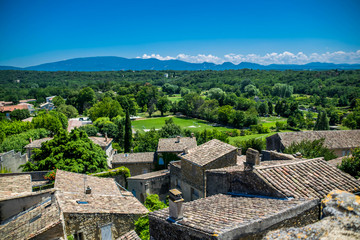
column 307, row 179
column 151, row 175
column 11, row 186
column 221, row 213
column 172, row 144
column 134, row 157
column 333, row 139
column 105, row 196
column 32, row 222
column 208, row 152
column 130, row 236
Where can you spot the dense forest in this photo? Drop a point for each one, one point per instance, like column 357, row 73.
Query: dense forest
column 34, row 84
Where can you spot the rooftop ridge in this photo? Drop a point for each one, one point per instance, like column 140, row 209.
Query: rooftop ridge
column 287, row 164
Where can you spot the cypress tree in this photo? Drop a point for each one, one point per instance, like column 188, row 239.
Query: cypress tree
column 128, row 133
column 322, row 122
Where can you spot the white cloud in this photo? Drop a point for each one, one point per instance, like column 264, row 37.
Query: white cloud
column 269, row 58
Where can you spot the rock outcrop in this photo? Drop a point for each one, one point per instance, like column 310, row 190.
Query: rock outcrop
column 341, row 212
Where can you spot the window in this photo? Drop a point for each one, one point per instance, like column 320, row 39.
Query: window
column 343, row 152
column 134, row 192
column 106, row 232
column 78, row 236
column 144, row 170
column 161, row 161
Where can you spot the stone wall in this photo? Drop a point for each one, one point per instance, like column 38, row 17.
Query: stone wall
column 158, row 185
column 35, row 176
column 244, row 182
column 160, row 229
column 136, row 168
column 274, row 143
column 12, row 161
column 11, row 207
column 89, row 224
column 194, row 174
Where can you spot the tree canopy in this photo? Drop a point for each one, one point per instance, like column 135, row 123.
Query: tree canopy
column 73, row 152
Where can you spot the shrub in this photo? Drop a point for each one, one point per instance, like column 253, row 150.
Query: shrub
column 351, row 165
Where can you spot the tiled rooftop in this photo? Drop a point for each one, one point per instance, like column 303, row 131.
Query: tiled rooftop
column 333, row 139
column 130, row 236
column 172, row 145
column 105, row 197
column 33, row 222
column 37, row 143
column 151, row 175
column 17, row 185
column 208, row 152
column 312, row 178
column 143, row 157
column 101, row 141
column 221, row 213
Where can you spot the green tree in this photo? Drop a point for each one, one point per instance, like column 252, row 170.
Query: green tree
column 90, row 130
column 52, row 121
column 106, row 108
column 225, row 113
column 146, row 142
column 282, row 90
column 251, row 90
column 163, row 105
column 73, row 152
column 19, row 114
column 58, row 100
column 353, row 119
column 128, row 133
column 311, row 149
column 322, row 122
column 263, row 109
column 68, row 110
column 351, row 165
column 270, row 107
column 170, row 129
column 85, row 99
column 17, row 142
column 255, row 143
column 152, row 203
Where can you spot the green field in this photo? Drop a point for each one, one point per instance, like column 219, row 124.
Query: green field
column 175, row 98
column 271, row 121
column 186, row 123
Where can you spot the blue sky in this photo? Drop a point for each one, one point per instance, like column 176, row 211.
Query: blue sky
column 39, row 31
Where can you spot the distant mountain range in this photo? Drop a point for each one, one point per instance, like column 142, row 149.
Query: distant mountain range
column 119, row 63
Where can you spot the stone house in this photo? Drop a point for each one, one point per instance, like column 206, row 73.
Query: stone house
column 169, row 148
column 189, row 176
column 230, row 217
column 341, row 142
column 12, row 161
column 104, row 142
column 137, row 163
column 150, row 183
column 82, row 206
column 298, row 178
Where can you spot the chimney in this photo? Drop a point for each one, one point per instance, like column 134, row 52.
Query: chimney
column 186, row 150
column 239, row 151
column 30, row 140
column 178, row 139
column 88, row 190
column 192, row 135
column 252, row 158
column 106, row 138
column 298, row 155
column 176, row 207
